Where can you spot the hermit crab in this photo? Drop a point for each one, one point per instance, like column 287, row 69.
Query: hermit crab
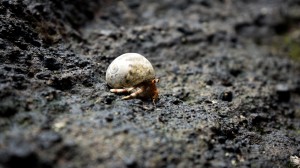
column 132, row 73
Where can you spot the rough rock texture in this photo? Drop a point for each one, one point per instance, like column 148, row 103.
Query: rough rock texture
column 229, row 83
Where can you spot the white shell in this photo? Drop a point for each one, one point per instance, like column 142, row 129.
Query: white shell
column 129, row 70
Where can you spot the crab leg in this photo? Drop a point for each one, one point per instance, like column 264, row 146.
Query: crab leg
column 133, row 95
column 122, row 90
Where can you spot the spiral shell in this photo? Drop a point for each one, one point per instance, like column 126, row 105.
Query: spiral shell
column 129, row 70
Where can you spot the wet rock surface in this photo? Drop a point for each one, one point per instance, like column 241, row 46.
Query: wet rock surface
column 229, row 84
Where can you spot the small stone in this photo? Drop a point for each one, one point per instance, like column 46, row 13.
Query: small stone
column 283, row 93
column 59, row 125
column 226, row 96
column 295, row 160
column 109, row 118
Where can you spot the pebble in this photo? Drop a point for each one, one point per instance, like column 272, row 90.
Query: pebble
column 226, row 96
column 283, row 93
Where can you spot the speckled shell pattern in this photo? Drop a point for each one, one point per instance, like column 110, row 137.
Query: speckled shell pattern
column 129, row 70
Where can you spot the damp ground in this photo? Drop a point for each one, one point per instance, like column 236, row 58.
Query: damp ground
column 229, row 83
